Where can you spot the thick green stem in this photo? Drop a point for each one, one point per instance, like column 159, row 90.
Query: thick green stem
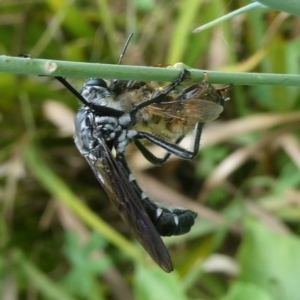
column 21, row 65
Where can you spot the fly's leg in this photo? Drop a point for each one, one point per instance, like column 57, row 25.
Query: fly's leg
column 169, row 147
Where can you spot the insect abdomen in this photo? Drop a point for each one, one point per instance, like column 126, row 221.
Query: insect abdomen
column 168, row 221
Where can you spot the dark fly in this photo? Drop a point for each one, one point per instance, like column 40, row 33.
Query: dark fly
column 114, row 115
column 125, row 111
column 110, row 119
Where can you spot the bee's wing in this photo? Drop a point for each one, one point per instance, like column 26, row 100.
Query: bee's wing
column 189, row 110
column 128, row 201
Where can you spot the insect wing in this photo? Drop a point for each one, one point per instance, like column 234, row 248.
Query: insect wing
column 191, row 111
column 128, row 202
column 198, row 103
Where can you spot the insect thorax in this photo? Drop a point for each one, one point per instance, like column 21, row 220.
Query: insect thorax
column 106, row 97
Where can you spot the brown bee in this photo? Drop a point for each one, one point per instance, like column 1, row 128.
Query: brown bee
column 177, row 112
column 180, row 110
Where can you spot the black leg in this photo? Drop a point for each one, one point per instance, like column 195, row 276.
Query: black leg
column 173, row 148
column 67, row 85
column 150, row 156
column 96, row 108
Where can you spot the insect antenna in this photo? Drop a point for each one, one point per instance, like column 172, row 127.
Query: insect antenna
column 125, row 48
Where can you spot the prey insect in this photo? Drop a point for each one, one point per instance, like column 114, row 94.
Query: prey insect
column 114, row 115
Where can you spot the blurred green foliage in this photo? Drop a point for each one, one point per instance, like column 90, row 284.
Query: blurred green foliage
column 249, row 177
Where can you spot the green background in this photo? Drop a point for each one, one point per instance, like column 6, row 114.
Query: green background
column 60, row 236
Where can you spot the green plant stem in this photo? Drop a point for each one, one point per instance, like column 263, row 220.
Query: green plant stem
column 20, row 65
column 290, row 6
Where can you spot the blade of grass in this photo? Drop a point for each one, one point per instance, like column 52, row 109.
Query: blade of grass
column 36, row 278
column 59, row 190
column 108, row 24
column 187, row 13
column 231, row 15
column 290, row 6
column 52, row 28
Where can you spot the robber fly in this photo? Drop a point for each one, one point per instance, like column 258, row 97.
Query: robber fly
column 123, row 111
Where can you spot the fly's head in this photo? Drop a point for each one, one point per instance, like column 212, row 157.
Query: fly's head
column 119, row 95
column 99, row 94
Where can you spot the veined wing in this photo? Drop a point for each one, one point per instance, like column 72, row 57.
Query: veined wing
column 191, row 111
column 128, row 202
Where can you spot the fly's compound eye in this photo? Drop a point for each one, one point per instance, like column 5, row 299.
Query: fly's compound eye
column 96, row 82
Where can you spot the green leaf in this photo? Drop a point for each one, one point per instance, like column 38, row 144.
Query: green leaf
column 247, row 291
column 154, row 284
column 277, row 270
column 84, row 265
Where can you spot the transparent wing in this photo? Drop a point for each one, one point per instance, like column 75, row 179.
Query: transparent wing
column 128, row 202
column 200, row 102
column 191, row 111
